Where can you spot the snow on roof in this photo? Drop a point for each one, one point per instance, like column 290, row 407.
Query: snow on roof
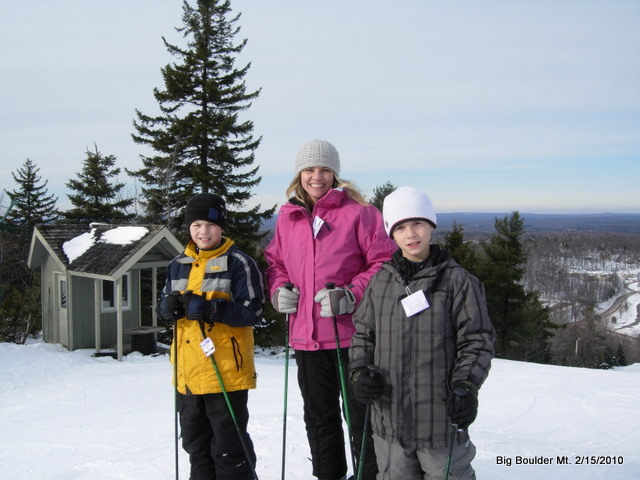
column 123, row 235
column 75, row 247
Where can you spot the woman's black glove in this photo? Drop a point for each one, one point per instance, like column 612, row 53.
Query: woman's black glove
column 367, row 384
column 462, row 406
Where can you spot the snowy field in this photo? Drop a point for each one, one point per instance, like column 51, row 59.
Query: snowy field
column 68, row 415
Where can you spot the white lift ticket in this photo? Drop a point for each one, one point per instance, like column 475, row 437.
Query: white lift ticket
column 415, row 303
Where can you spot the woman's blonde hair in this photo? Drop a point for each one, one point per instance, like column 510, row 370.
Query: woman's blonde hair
column 296, row 191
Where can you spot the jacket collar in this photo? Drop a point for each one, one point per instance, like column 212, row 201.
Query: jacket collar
column 407, row 270
column 193, row 251
column 332, row 199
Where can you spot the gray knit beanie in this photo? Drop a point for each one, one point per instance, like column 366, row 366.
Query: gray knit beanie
column 406, row 203
column 317, row 153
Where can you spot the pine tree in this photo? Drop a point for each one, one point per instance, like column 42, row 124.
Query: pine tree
column 200, row 141
column 19, row 286
column 96, row 198
column 32, row 205
column 380, row 192
column 463, row 252
column 520, row 320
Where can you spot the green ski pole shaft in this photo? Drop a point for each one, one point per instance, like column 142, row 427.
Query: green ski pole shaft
column 452, row 444
column 365, row 430
column 288, row 286
column 343, row 385
column 175, row 394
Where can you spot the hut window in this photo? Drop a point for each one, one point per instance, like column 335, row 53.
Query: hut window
column 63, row 294
column 109, row 293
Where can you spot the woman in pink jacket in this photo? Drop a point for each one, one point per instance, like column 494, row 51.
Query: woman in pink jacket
column 326, row 233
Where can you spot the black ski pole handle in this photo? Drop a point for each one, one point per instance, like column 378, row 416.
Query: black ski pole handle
column 288, row 286
column 330, row 285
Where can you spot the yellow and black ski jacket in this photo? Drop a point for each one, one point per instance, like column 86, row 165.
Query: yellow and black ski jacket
column 222, row 273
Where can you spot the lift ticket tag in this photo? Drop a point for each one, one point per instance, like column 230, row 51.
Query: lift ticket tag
column 415, row 303
column 207, row 347
column 317, row 225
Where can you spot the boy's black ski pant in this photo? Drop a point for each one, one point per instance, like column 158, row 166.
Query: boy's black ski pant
column 210, row 437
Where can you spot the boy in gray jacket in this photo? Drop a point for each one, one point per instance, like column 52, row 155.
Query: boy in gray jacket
column 422, row 349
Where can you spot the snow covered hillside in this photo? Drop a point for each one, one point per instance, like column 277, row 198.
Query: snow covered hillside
column 68, row 415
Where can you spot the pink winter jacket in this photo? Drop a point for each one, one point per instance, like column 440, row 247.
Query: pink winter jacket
column 348, row 249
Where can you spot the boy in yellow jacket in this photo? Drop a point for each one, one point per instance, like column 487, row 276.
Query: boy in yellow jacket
column 214, row 294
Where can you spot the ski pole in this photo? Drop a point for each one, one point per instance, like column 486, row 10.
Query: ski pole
column 343, row 383
column 175, row 393
column 288, row 286
column 454, row 427
column 230, row 407
column 372, row 370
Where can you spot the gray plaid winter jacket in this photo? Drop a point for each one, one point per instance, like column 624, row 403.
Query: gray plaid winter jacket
column 422, row 356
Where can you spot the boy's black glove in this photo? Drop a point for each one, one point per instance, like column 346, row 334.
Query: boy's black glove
column 197, row 307
column 194, row 306
column 462, row 406
column 174, row 309
column 367, row 384
column 216, row 308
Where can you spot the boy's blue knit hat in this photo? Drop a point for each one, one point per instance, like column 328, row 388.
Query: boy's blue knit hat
column 406, row 203
column 206, row 206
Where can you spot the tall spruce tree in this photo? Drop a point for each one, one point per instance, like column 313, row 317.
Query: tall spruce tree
column 97, row 198
column 19, row 287
column 32, row 205
column 521, row 322
column 200, row 141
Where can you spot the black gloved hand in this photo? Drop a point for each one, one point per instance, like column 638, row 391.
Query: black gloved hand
column 216, row 309
column 194, row 306
column 462, row 405
column 367, row 384
column 173, row 309
column 197, row 307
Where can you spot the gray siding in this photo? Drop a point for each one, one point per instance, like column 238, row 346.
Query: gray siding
column 83, row 314
column 50, row 330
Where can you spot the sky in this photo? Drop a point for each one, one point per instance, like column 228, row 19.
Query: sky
column 490, row 106
column 69, row 415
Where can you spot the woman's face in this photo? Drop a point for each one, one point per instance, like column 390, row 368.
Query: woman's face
column 316, row 181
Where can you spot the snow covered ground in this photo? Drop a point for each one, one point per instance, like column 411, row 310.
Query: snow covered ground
column 68, row 415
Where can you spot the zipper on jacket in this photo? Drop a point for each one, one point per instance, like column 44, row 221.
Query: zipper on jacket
column 237, row 355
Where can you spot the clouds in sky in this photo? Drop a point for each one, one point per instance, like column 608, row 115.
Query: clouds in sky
column 488, row 106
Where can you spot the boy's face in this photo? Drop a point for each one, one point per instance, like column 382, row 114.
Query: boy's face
column 413, row 238
column 206, row 235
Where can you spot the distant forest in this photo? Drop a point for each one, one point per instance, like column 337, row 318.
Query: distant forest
column 574, row 271
column 544, row 222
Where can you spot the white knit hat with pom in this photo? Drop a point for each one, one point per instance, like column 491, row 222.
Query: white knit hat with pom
column 406, row 203
column 317, row 153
